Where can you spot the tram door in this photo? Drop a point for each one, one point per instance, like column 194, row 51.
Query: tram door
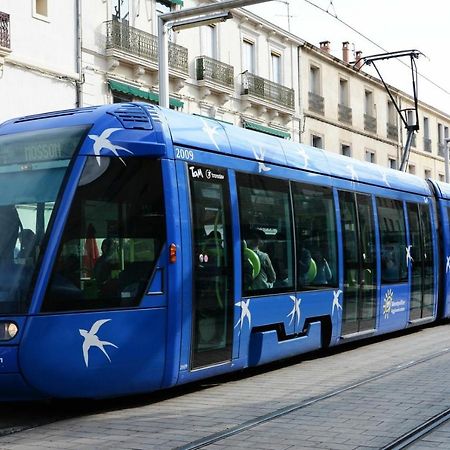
column 422, row 277
column 359, row 308
column 212, row 304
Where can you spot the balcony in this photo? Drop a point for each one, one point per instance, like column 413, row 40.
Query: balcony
column 5, row 40
column 316, row 103
column 345, row 114
column 392, row 131
column 267, row 94
column 427, row 144
column 214, row 76
column 441, row 149
column 136, row 47
column 370, row 123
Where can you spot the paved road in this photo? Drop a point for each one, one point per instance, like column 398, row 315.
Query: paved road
column 361, row 398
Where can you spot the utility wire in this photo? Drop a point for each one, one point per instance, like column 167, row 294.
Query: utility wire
column 371, row 41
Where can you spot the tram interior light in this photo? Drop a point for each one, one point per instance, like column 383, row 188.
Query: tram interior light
column 8, row 331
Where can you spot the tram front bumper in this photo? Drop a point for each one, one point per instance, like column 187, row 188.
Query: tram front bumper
column 13, row 387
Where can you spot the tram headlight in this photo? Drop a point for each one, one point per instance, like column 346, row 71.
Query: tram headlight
column 8, row 331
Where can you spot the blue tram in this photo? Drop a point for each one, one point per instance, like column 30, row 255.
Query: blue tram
column 142, row 248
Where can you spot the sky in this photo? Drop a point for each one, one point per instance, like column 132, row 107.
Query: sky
column 393, row 25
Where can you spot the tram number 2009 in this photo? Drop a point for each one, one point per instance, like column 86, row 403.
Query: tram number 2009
column 182, row 153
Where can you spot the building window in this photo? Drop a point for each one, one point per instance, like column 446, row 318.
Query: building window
column 370, row 156
column 426, row 135
column 427, row 173
column 441, row 177
column 346, row 150
column 316, row 141
column 412, row 169
column 314, row 80
column 40, row 8
column 209, row 34
column 120, row 10
column 275, row 60
column 343, row 92
column 391, row 112
column 392, row 163
column 248, row 56
column 440, row 133
column 368, row 102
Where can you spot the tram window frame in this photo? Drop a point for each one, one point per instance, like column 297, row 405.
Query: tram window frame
column 392, row 249
column 277, row 230
column 121, row 209
column 319, row 267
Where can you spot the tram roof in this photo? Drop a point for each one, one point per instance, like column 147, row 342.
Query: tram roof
column 216, row 136
column 442, row 189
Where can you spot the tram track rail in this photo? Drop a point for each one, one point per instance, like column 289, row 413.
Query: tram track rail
column 400, row 443
column 417, row 433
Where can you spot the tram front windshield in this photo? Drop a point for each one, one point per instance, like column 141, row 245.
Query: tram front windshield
column 32, row 169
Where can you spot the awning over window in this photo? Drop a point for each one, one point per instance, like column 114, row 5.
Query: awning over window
column 136, row 92
column 266, row 130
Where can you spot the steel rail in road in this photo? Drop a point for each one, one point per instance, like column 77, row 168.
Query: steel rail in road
column 418, row 432
column 237, row 429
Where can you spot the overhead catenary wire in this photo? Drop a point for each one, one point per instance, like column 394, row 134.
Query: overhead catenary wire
column 367, row 38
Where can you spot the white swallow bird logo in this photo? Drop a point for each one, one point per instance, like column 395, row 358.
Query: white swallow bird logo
column 295, row 309
column 447, row 265
column 211, row 132
column 91, row 340
column 384, row 177
column 409, row 258
column 245, row 313
column 336, row 304
column 259, row 156
column 102, row 142
column 302, row 152
column 353, row 173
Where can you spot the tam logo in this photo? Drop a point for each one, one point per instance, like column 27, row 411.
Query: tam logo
column 196, row 173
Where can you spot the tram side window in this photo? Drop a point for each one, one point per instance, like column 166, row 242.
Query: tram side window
column 316, row 236
column 393, row 240
column 112, row 239
column 266, row 232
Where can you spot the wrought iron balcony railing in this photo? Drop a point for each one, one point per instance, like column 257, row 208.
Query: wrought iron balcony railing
column 344, row 114
column 316, row 103
column 370, row 123
column 4, row 30
column 392, row 131
column 210, row 69
column 427, row 144
column 121, row 36
column 268, row 90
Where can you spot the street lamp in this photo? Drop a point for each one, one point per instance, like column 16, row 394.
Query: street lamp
column 188, row 18
column 446, row 142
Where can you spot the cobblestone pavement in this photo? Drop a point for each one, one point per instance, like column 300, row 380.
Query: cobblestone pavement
column 367, row 416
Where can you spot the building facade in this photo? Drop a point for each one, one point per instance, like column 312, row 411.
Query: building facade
column 245, row 71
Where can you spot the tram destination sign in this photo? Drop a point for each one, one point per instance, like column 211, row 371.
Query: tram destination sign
column 42, row 145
